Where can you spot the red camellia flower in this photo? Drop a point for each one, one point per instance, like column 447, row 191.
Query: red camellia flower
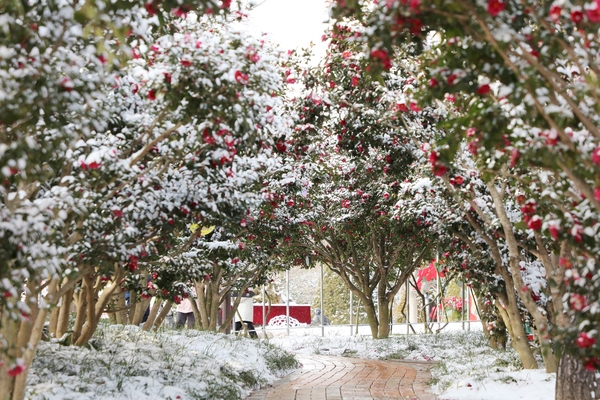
column 597, row 193
column 150, row 8
column 521, row 198
column 414, row 107
column 133, row 263
column 177, row 299
column 535, row 223
column 383, row 56
column 577, row 302
column 495, row 7
column 241, row 77
column 577, row 233
column 281, row 147
column 402, row 107
column 439, row 169
column 186, row 61
column 528, row 208
column 345, row 203
column 145, row 295
column 452, row 78
column 584, row 340
column 67, row 84
column 414, row 25
column 555, row 12
column 207, row 137
column 593, row 14
column 226, row 4
column 151, row 95
column 181, row 11
column 459, row 180
column 596, row 155
column 433, row 82
column 355, row 81
column 483, row 89
column 576, row 16
column 243, row 223
column 17, row 369
column 553, row 229
column 514, row 156
column 592, row 364
column 117, row 213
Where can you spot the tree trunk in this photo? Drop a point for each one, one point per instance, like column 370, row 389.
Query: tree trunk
column 201, row 292
column 516, row 330
column 97, row 306
column 541, row 321
column 372, row 318
column 121, row 314
column 163, row 314
column 9, row 331
column 140, row 310
column 152, row 317
column 62, row 325
column 53, row 321
column 384, row 319
column 80, row 303
column 574, row 382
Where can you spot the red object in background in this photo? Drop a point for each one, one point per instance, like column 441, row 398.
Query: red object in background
column 429, row 274
column 299, row 312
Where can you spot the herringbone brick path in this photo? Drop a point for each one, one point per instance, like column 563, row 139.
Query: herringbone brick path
column 341, row 378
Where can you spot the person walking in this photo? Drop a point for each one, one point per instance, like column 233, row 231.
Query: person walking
column 185, row 314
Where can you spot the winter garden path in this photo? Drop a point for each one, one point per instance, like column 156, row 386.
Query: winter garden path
column 341, row 378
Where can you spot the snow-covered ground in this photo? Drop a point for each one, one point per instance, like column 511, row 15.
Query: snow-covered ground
column 467, row 367
column 127, row 363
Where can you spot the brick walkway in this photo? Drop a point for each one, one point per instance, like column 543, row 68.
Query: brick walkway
column 342, row 378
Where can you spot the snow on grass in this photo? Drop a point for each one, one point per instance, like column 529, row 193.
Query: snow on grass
column 467, row 368
column 124, row 362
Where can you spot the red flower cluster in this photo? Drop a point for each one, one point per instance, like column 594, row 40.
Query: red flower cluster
column 555, row 12
column 483, row 89
column 437, row 168
column 495, row 7
column 240, row 77
column 596, row 156
column 535, row 223
column 17, row 369
column 584, row 340
column 383, row 56
column 577, row 302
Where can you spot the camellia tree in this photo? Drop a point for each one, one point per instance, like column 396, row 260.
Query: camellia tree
column 338, row 199
column 106, row 169
column 524, row 75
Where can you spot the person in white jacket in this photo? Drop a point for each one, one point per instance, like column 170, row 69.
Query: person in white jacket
column 245, row 313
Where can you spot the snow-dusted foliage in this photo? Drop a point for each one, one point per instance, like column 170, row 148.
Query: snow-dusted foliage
column 519, row 82
column 116, row 148
column 344, row 197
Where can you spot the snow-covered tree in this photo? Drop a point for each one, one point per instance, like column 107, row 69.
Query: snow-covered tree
column 339, row 202
column 106, row 171
column 524, row 76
